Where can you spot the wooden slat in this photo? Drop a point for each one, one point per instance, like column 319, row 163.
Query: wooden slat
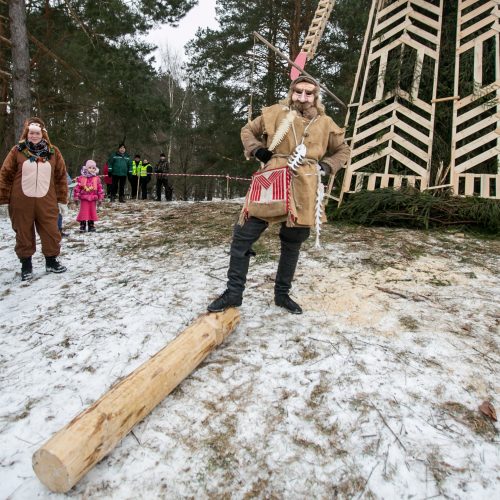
column 428, row 21
column 391, row 20
column 480, row 141
column 372, row 144
column 427, row 6
column 488, row 89
column 476, row 27
column 423, row 155
column 474, row 112
column 390, row 33
column 370, row 159
column 415, row 167
column 415, row 117
column 413, row 131
column 463, row 167
column 376, row 128
column 386, row 10
column 480, row 39
column 490, row 120
column 370, row 118
column 476, row 12
column 467, row 3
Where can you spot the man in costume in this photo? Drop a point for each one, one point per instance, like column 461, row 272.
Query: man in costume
column 296, row 143
column 33, row 182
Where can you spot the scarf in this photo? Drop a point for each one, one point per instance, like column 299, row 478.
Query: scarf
column 36, row 152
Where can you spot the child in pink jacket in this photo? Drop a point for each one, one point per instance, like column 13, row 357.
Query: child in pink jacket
column 88, row 191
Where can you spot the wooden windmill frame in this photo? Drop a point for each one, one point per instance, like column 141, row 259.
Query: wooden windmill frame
column 394, row 127
column 475, row 158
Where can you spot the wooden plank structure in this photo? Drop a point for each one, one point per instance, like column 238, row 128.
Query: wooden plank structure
column 392, row 121
column 317, row 27
column 475, row 159
column 63, row 460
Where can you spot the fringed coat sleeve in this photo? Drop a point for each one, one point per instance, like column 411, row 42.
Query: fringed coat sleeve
column 338, row 151
column 251, row 135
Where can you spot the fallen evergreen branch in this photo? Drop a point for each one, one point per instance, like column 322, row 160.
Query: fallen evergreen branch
column 412, row 208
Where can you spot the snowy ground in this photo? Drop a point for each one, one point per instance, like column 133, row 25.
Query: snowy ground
column 373, row 392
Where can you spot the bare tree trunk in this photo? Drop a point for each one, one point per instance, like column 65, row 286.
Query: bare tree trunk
column 5, row 127
column 21, row 95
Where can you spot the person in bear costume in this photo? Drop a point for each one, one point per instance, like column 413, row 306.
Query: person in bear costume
column 33, row 182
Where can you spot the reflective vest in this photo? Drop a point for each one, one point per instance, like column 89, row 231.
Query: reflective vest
column 144, row 169
column 136, row 168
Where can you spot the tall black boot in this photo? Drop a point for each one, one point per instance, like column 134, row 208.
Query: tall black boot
column 82, row 226
column 286, row 271
column 237, row 277
column 26, row 269
column 91, row 226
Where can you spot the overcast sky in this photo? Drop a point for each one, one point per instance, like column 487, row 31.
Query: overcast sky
column 203, row 15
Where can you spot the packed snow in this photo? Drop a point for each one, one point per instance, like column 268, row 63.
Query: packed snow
column 373, row 392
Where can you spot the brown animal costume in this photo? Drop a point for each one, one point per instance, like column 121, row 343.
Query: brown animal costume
column 295, row 141
column 32, row 182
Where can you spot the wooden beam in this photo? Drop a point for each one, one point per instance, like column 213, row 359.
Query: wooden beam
column 63, row 460
column 296, row 66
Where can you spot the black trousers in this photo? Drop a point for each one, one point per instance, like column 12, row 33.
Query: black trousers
column 118, row 186
column 162, row 183
column 241, row 250
column 133, row 186
column 143, row 183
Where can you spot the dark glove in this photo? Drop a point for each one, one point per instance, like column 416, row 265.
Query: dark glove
column 263, row 154
column 325, row 168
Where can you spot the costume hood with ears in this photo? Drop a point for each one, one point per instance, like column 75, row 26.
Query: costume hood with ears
column 34, row 122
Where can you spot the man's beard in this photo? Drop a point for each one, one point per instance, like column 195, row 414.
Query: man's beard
column 302, row 106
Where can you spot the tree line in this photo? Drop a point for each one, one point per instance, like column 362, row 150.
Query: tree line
column 96, row 83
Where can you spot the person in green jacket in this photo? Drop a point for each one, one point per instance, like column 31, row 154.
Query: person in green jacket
column 119, row 166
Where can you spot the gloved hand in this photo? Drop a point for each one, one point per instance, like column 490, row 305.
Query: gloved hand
column 325, row 168
column 63, row 209
column 263, row 154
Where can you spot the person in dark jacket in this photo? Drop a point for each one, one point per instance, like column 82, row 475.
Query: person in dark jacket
column 119, row 166
column 161, row 169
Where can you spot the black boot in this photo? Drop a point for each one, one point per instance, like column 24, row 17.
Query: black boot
column 287, row 303
column 227, row 299
column 26, row 269
column 53, row 266
column 290, row 249
column 91, row 226
column 237, row 277
column 83, row 226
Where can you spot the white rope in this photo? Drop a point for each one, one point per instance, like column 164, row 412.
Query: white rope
column 320, row 194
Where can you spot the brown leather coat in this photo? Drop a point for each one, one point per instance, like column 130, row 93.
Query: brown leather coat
column 324, row 141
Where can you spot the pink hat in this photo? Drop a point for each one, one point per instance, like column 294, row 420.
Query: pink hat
column 90, row 163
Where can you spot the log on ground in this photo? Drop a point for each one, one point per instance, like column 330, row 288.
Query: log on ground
column 66, row 457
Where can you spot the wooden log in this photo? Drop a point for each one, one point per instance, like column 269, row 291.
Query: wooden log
column 66, row 457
